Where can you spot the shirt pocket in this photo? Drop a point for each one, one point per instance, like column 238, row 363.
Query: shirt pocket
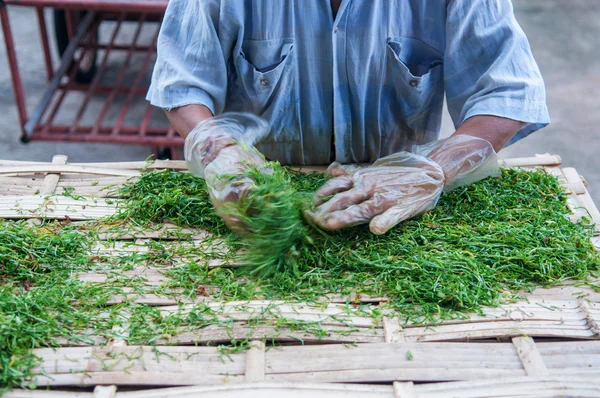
column 263, row 82
column 413, row 90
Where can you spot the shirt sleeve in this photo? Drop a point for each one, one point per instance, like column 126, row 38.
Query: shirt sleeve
column 489, row 68
column 190, row 66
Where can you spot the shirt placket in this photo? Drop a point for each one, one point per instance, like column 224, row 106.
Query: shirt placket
column 342, row 133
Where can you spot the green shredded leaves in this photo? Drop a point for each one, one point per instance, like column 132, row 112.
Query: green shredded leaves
column 169, row 195
column 480, row 244
column 271, row 214
column 479, row 247
column 39, row 302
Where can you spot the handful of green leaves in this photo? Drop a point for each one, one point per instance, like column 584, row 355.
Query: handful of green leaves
column 271, row 216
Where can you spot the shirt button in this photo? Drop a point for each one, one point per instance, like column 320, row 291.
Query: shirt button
column 413, row 83
column 264, row 82
column 336, row 29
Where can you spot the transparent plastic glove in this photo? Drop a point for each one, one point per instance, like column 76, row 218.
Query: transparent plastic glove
column 210, row 136
column 220, row 150
column 400, row 186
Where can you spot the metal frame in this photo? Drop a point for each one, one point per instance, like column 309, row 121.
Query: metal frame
column 40, row 125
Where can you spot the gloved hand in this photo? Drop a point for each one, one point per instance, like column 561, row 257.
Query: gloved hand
column 400, row 186
column 221, row 151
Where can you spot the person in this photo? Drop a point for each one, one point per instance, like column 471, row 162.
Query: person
column 348, row 82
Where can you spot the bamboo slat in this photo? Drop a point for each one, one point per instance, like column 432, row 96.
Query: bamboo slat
column 284, row 323
column 514, row 387
column 57, row 168
column 530, row 357
column 537, row 160
column 368, row 363
column 54, row 207
column 51, row 180
column 136, row 165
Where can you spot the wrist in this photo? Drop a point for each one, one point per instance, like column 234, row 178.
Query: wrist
column 464, row 159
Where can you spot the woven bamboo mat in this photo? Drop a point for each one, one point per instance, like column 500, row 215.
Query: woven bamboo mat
column 489, row 354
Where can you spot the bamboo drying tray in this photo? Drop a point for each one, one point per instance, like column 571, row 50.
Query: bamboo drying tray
column 491, row 354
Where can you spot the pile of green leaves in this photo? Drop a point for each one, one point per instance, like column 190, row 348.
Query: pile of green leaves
column 480, row 244
column 39, row 302
column 169, row 195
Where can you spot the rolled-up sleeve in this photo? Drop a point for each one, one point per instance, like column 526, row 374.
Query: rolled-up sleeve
column 489, row 68
column 190, row 66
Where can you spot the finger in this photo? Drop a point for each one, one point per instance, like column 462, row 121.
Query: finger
column 332, row 187
column 235, row 223
column 337, row 169
column 234, row 160
column 343, row 200
column 353, row 215
column 213, row 145
column 234, row 189
column 382, row 223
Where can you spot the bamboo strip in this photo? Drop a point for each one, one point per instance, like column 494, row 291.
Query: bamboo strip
column 75, row 181
column 216, row 334
column 588, row 310
column 105, row 392
column 91, row 192
column 355, row 298
column 165, row 231
column 530, row 357
column 392, row 355
column 576, row 372
column 560, row 318
column 404, row 390
column 22, row 181
column 244, row 310
column 46, row 394
column 51, row 180
column 239, row 390
column 495, row 330
column 151, row 299
column 392, row 330
column 390, row 375
column 8, row 191
column 255, row 362
column 151, row 276
column 569, row 347
column 69, row 168
column 116, row 247
column 385, row 362
column 585, row 200
column 121, row 332
column 574, row 181
column 152, row 165
column 583, row 360
column 537, row 160
column 516, row 387
column 136, row 378
column 54, row 207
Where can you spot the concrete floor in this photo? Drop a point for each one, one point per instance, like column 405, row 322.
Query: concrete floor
column 563, row 34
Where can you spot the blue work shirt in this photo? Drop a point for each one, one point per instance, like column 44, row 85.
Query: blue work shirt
column 372, row 79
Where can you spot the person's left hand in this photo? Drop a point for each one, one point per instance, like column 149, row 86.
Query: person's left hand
column 400, row 186
column 393, row 189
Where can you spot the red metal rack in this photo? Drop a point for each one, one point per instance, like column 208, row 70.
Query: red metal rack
column 114, row 121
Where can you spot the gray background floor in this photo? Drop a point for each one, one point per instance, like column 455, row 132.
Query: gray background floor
column 564, row 35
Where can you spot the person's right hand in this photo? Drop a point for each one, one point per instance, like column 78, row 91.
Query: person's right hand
column 220, row 150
